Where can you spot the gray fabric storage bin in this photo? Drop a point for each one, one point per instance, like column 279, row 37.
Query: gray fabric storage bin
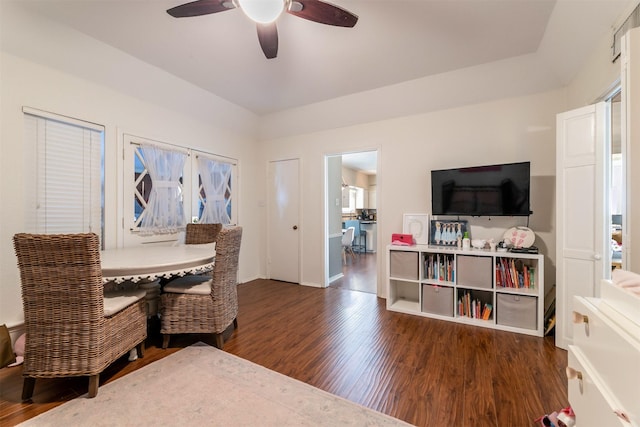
column 474, row 271
column 519, row 311
column 437, row 300
column 404, row 265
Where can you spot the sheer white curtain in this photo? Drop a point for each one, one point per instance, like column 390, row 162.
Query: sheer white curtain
column 164, row 212
column 215, row 176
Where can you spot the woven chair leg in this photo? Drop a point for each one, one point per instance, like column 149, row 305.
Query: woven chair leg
column 140, row 349
column 219, row 341
column 165, row 340
column 94, row 381
column 27, row 388
column 235, row 323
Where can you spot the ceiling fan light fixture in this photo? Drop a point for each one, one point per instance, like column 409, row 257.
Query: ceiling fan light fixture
column 262, row 11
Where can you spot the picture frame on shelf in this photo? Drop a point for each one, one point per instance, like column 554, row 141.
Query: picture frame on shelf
column 418, row 226
column 446, row 232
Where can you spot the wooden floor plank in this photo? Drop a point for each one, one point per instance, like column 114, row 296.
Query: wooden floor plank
column 479, row 407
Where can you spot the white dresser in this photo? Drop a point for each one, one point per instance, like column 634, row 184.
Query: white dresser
column 604, row 361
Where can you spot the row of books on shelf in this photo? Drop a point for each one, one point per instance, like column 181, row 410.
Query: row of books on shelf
column 473, row 308
column 511, row 273
column 439, row 267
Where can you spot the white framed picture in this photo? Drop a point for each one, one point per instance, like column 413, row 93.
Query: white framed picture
column 418, row 226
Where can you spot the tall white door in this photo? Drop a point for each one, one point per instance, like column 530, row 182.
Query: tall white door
column 284, row 221
column 580, row 219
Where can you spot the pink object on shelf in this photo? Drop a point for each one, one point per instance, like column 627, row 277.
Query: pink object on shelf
column 402, row 239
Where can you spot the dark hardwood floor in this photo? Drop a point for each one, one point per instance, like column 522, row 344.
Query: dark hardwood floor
column 424, row 371
column 359, row 273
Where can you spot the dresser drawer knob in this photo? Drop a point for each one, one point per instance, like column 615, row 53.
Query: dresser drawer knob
column 581, row 318
column 573, row 374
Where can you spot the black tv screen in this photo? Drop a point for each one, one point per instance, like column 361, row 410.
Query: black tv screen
column 495, row 190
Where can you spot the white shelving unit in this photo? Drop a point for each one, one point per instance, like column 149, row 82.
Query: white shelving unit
column 434, row 282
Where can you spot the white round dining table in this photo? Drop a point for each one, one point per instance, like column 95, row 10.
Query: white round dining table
column 150, row 262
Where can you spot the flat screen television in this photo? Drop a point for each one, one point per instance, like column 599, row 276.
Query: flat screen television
column 494, row 190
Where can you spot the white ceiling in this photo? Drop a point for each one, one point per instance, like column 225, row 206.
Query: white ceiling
column 365, row 162
column 394, row 41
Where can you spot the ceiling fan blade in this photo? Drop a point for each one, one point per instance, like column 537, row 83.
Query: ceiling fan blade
column 268, row 36
column 200, row 7
column 324, row 13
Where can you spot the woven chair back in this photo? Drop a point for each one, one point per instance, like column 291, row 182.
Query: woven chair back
column 62, row 295
column 197, row 234
column 225, row 270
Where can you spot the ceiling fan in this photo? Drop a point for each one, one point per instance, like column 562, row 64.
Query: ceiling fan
column 265, row 12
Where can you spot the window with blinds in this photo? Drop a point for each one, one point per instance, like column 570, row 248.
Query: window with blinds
column 69, row 173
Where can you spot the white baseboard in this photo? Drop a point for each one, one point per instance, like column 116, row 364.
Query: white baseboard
column 336, row 277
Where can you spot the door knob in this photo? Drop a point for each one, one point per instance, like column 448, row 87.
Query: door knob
column 295, row 227
column 597, row 257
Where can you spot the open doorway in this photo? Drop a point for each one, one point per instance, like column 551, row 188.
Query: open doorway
column 616, row 183
column 352, row 203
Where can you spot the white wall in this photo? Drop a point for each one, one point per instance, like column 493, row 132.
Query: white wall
column 507, row 130
column 124, row 95
column 599, row 74
column 355, row 178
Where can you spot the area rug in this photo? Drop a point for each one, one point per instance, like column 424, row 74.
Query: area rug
column 203, row 386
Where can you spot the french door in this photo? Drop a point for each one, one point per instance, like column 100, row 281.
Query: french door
column 580, row 216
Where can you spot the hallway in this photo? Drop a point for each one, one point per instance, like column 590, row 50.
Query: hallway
column 359, row 273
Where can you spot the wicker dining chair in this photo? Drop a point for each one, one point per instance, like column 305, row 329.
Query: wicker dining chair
column 72, row 328
column 205, row 304
column 197, row 234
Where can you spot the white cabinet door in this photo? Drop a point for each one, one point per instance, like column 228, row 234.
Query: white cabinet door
column 372, row 236
column 345, row 198
column 352, row 199
column 580, row 209
column 359, row 198
column 372, row 197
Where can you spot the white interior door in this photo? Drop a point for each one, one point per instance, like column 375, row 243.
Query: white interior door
column 283, row 220
column 580, row 180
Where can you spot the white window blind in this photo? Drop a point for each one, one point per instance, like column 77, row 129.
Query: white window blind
column 68, row 173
